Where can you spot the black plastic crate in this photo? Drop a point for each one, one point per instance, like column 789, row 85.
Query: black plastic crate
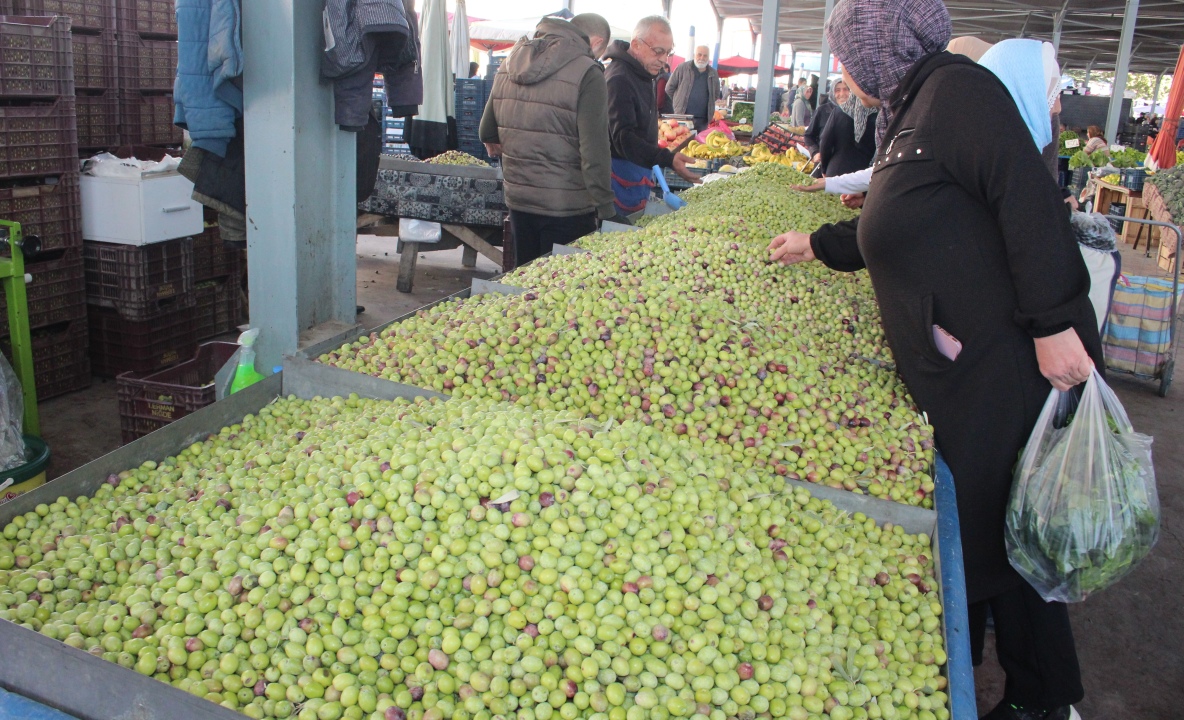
column 94, row 61
column 218, row 308
column 212, row 259
column 146, row 17
column 56, row 293
column 147, row 119
column 61, row 361
column 149, row 402
column 36, row 59
column 146, row 64
column 38, row 139
column 140, row 282
column 143, row 346
column 83, row 14
column 98, row 119
column 46, row 207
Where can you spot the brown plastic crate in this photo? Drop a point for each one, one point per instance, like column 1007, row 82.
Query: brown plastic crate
column 61, row 362
column 57, row 292
column 48, row 208
column 219, row 307
column 212, row 259
column 149, row 402
column 147, row 17
column 84, row 14
column 98, row 120
column 140, row 282
column 94, row 61
column 143, row 346
column 36, row 59
column 146, row 64
column 147, row 119
column 38, row 139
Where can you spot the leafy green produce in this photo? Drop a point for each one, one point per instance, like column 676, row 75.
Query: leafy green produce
column 361, row 559
column 1080, row 159
column 1127, row 158
column 1170, row 184
column 743, row 112
column 1065, row 136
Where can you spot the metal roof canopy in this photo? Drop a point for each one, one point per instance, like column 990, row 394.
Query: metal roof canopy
column 1089, row 31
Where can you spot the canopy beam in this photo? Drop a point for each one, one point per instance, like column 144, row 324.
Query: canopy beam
column 1120, row 70
column 770, row 17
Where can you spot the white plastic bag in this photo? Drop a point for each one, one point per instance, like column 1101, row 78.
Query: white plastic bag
column 1083, row 508
column 12, row 418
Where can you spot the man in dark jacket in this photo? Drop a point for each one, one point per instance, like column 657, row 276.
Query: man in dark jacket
column 694, row 87
column 633, row 113
column 547, row 119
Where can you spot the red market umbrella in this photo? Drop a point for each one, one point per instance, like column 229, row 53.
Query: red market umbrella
column 1164, row 148
column 740, row 65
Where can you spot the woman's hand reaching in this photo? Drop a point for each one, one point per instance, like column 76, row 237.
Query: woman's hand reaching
column 816, row 186
column 791, row 248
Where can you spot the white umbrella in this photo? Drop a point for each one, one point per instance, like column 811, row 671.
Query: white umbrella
column 429, row 132
column 458, row 41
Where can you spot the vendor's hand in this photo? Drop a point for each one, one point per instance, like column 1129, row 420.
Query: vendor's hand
column 494, row 149
column 791, row 248
column 680, row 167
column 1063, row 359
column 813, row 187
column 853, row 200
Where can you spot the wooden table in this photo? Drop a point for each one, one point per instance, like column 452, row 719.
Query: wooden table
column 473, row 239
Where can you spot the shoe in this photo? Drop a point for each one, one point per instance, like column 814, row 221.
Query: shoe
column 1006, row 711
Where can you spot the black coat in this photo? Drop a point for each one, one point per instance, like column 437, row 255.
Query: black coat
column 971, row 236
column 841, row 154
column 813, row 134
column 633, row 110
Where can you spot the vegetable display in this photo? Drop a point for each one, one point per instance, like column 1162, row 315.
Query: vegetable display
column 1065, row 137
column 456, row 157
column 1170, row 184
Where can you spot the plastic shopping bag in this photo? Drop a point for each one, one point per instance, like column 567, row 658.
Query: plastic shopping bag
column 1083, row 508
column 12, row 418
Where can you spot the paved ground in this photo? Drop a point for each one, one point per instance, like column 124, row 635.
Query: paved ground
column 1130, row 638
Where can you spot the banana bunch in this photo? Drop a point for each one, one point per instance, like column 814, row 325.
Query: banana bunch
column 717, row 145
column 760, row 153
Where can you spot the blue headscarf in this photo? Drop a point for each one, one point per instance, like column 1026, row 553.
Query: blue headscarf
column 1032, row 79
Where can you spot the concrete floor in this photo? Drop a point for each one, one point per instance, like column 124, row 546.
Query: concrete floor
column 1130, row 638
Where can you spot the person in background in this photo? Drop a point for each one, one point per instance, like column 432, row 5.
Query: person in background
column 473, row 69
column 665, row 104
column 775, row 99
column 813, row 134
column 802, row 112
column 793, row 95
column 848, row 142
column 633, row 113
column 547, row 119
column 694, row 87
column 984, row 300
column 1096, row 141
column 725, row 91
column 598, row 31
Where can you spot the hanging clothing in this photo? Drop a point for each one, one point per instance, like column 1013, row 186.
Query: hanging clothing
column 209, row 57
column 359, row 35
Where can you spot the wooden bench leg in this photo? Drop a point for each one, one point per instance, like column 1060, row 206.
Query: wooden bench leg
column 469, row 258
column 407, row 260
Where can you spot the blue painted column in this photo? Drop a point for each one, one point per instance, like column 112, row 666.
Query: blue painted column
column 768, row 58
column 301, row 187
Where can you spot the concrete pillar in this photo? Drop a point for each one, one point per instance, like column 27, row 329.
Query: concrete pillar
column 824, row 61
column 719, row 38
column 1155, row 94
column 300, row 182
column 764, row 84
column 666, row 5
column 1113, row 118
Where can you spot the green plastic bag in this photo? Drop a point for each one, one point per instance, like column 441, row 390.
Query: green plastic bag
column 1083, row 508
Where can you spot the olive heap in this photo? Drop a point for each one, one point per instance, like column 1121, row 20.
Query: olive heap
column 349, row 558
column 685, row 325
column 688, row 364
column 456, row 157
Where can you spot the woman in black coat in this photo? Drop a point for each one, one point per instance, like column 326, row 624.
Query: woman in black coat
column 848, row 141
column 970, row 239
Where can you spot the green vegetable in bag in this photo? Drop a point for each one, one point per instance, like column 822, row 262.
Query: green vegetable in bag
column 1084, row 509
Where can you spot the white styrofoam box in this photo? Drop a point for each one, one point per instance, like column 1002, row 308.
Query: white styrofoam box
column 139, row 211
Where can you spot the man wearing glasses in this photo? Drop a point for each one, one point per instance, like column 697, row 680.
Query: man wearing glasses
column 633, row 113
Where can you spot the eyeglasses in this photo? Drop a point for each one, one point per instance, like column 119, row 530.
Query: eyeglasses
column 659, row 52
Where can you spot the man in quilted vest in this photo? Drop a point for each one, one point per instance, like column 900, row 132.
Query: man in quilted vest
column 547, row 119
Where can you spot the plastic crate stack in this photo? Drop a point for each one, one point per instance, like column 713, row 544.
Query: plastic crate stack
column 39, row 189
column 393, row 140
column 471, row 95
column 92, row 29
column 146, row 67
column 218, row 273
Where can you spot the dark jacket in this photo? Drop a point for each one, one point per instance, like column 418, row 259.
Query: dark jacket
column 841, row 154
column 813, row 134
column 362, row 37
column 678, row 88
column 633, row 110
column 548, row 112
column 972, row 237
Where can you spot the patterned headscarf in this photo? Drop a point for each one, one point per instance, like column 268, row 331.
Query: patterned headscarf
column 878, row 41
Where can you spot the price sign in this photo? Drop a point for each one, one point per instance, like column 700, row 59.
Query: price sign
column 1070, row 144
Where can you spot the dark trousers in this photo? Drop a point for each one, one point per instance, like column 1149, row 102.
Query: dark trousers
column 1034, row 644
column 535, row 234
